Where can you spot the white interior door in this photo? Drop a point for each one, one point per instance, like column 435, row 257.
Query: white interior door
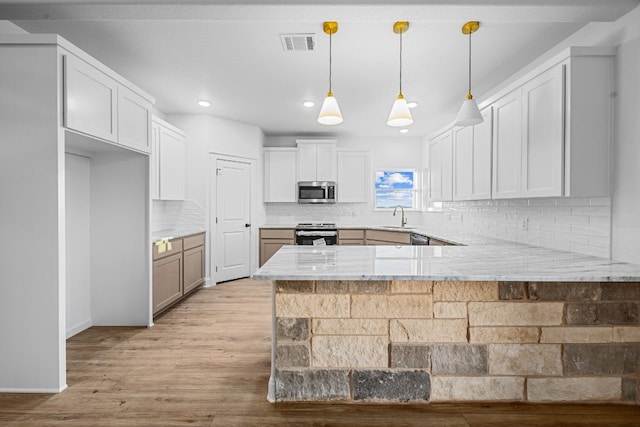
column 233, row 215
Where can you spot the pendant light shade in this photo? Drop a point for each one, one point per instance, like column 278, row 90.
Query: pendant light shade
column 400, row 114
column 330, row 112
column 469, row 113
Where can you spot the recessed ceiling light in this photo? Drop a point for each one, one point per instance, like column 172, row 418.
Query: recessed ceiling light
column 308, row 104
column 412, row 104
column 204, row 103
column 404, row 130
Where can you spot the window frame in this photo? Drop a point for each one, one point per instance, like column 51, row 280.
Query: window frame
column 416, row 189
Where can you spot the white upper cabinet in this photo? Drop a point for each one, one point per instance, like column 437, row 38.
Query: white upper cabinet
column 482, row 158
column 507, row 145
column 462, row 162
column 98, row 104
column 441, row 167
column 280, row 174
column 353, row 184
column 472, row 160
column 543, row 134
column 170, row 161
column 154, row 162
column 316, row 160
column 134, row 120
column 90, row 100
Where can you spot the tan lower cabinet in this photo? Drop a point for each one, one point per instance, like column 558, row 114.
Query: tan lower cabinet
column 382, row 238
column 436, row 242
column 351, row 237
column 167, row 281
column 178, row 268
column 272, row 239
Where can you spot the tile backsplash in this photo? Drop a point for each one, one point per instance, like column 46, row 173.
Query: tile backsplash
column 177, row 214
column 577, row 224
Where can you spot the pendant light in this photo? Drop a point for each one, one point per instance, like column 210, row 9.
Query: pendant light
column 400, row 114
column 469, row 113
column 330, row 112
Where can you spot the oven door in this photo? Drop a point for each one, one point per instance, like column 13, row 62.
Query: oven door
column 314, row 237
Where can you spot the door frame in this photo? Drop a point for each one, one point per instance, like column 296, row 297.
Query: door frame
column 213, row 212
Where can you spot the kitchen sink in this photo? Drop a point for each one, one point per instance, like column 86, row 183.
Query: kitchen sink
column 397, row 227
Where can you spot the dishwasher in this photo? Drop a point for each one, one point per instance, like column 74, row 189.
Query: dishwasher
column 419, row 240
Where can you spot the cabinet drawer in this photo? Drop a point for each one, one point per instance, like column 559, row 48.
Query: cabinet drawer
column 389, row 236
column 193, row 241
column 351, row 234
column 162, row 249
column 436, row 242
column 276, row 233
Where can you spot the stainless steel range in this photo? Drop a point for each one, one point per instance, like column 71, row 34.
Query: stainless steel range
column 316, row 233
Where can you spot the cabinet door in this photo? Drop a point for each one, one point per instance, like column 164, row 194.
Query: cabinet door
column 172, row 165
column 326, row 162
column 90, row 100
column 268, row 247
column 462, row 162
column 193, row 268
column 134, row 120
column 167, row 281
column 154, row 162
column 353, row 177
column 280, row 175
column 441, row 168
column 507, row 146
column 306, row 162
column 543, row 141
column 481, row 179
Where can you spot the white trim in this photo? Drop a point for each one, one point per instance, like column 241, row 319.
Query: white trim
column 79, row 328
column 34, row 390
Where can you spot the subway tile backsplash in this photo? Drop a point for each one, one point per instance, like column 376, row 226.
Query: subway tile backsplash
column 177, row 214
column 578, row 224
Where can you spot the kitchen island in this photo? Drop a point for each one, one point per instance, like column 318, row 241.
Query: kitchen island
column 500, row 322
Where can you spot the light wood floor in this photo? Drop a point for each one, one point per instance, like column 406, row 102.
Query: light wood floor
column 206, row 362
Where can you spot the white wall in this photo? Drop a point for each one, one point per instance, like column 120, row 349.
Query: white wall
column 207, row 136
column 32, row 299
column 386, row 153
column 9, row 27
column 78, row 248
column 626, row 154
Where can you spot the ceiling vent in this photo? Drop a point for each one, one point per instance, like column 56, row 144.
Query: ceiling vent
column 298, row 42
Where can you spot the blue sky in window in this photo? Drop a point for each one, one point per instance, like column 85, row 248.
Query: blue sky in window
column 394, row 188
column 393, row 179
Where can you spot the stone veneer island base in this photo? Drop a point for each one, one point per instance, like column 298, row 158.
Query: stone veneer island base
column 454, row 341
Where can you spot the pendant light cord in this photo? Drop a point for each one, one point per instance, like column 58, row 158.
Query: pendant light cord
column 469, row 96
column 330, row 37
column 401, row 63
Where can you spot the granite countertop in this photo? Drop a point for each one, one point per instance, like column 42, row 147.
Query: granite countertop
column 506, row 261
column 174, row 233
column 478, row 258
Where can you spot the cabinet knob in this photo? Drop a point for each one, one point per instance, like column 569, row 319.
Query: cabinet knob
column 247, row 225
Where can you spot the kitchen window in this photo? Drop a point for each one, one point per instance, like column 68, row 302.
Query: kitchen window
column 395, row 187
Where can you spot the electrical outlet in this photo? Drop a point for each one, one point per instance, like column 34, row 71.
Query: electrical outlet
column 524, row 224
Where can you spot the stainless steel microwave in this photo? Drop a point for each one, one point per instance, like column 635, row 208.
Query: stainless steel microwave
column 316, row 192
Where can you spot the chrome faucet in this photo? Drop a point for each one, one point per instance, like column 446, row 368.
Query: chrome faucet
column 403, row 220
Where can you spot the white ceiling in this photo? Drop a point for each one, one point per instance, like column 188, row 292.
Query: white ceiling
column 230, row 53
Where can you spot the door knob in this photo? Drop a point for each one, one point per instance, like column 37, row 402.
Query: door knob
column 247, row 225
